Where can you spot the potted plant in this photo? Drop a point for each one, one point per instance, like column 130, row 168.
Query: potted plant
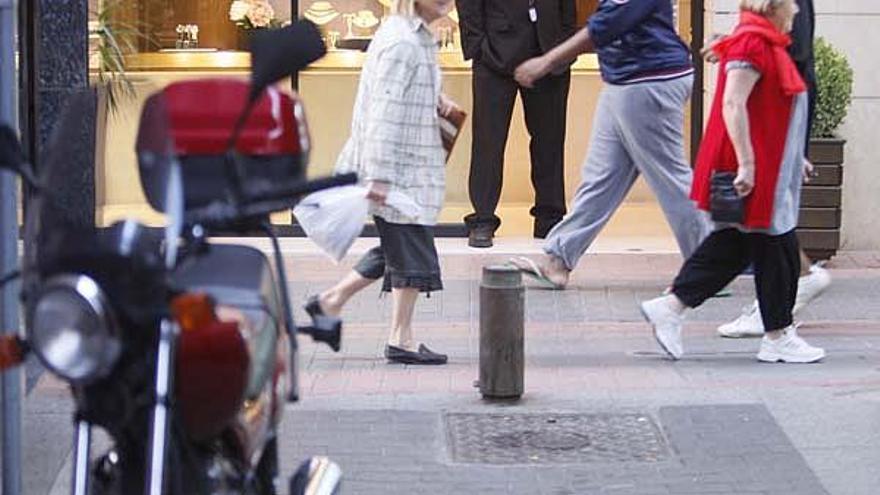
column 111, row 39
column 249, row 15
column 820, row 214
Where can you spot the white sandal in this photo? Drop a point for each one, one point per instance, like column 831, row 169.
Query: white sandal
column 531, row 268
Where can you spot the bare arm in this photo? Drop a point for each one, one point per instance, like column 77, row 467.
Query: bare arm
column 569, row 49
column 531, row 70
column 740, row 83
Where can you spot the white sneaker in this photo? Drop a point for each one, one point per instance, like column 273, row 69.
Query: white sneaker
column 666, row 323
column 749, row 324
column 789, row 348
column 810, row 287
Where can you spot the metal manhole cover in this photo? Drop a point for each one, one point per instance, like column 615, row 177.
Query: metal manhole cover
column 554, row 438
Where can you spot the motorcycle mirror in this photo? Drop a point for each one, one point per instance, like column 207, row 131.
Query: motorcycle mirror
column 278, row 53
column 174, row 213
column 11, row 158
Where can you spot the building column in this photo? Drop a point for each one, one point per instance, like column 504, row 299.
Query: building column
column 61, row 65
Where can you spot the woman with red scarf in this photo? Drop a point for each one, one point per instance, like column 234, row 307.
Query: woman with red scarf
column 756, row 130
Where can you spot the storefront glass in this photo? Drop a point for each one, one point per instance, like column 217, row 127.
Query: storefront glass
column 170, row 50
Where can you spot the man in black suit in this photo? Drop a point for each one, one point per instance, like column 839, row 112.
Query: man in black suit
column 498, row 35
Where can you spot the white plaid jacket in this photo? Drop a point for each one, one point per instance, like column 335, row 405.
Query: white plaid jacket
column 395, row 129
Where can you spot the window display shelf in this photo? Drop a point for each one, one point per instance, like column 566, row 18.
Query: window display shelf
column 335, row 60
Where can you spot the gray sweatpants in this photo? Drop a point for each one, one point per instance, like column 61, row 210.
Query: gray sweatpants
column 637, row 129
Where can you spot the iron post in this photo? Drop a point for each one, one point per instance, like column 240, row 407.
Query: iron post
column 11, row 380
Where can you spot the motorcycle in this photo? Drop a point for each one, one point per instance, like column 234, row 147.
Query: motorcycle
column 182, row 349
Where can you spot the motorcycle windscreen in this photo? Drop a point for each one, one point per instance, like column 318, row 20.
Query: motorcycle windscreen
column 61, row 217
column 60, row 230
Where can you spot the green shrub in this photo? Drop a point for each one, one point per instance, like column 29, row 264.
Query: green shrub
column 834, row 81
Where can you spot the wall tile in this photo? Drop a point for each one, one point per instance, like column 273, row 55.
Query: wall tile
column 63, row 46
column 861, row 176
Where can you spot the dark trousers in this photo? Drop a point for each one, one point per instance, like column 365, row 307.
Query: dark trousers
column 406, row 257
column 726, row 253
column 545, row 113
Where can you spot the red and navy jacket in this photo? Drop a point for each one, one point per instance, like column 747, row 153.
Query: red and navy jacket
column 636, row 41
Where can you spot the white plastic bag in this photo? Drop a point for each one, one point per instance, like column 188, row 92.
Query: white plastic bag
column 334, row 218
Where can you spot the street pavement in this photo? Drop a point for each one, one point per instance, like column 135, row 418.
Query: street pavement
column 603, row 412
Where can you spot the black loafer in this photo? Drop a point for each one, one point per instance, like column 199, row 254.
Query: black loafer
column 422, row 356
column 481, row 237
column 313, row 307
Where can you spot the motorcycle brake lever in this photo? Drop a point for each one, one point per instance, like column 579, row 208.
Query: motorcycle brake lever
column 326, row 329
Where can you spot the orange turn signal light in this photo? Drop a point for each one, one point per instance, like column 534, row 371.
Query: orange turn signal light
column 12, row 352
column 193, row 311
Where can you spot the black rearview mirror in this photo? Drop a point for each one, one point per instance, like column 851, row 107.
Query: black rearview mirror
column 278, row 53
column 11, row 158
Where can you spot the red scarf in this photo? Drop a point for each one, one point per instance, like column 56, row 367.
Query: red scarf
column 750, row 23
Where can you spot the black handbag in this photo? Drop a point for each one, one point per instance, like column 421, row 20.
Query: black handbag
column 725, row 205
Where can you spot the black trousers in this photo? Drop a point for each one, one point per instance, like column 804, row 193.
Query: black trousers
column 545, row 114
column 726, row 253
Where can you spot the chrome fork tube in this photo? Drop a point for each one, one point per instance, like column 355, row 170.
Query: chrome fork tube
column 161, row 411
column 293, row 367
column 82, row 445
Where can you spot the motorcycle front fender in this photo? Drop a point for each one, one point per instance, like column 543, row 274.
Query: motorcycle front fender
column 316, row 476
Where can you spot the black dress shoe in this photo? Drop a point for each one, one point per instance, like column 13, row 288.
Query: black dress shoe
column 543, row 227
column 424, row 355
column 481, row 237
column 313, row 307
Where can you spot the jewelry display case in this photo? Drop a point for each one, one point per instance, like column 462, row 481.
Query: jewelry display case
column 328, row 87
column 348, row 26
column 185, row 35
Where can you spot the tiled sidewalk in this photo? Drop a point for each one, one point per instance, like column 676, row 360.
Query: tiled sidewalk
column 589, row 350
column 731, row 425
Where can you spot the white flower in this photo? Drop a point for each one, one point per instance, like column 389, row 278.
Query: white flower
column 251, row 13
column 261, row 13
column 239, row 10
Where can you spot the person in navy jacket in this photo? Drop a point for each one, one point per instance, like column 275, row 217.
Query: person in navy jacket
column 638, row 129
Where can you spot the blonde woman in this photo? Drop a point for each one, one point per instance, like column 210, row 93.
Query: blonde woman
column 395, row 145
column 756, row 130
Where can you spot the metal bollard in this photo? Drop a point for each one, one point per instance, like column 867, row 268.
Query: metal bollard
column 502, row 352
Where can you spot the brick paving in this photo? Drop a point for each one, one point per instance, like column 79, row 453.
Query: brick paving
column 732, row 425
column 736, row 449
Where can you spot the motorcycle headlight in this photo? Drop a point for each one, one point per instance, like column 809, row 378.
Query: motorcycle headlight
column 72, row 330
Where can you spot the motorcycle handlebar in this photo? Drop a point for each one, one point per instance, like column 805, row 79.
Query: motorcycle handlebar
column 225, row 214
column 316, row 185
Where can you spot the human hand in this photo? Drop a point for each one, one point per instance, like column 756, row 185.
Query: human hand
column 809, row 171
column 446, row 105
column 708, row 51
column 744, row 182
column 530, row 71
column 378, row 192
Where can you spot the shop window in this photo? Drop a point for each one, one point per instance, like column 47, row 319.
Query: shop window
column 186, row 25
column 350, row 24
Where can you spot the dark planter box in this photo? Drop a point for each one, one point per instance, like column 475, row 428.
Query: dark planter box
column 819, row 219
